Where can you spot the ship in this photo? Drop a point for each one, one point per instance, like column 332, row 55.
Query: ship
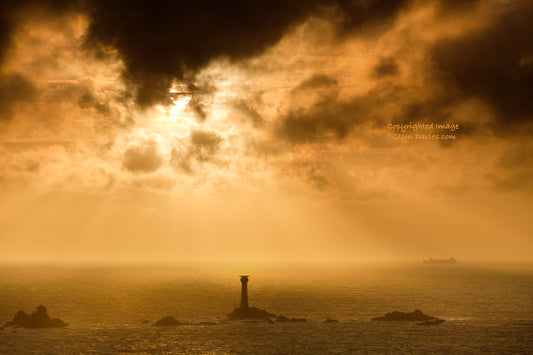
column 440, row 261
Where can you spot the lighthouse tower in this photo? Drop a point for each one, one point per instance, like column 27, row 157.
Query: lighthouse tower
column 244, row 291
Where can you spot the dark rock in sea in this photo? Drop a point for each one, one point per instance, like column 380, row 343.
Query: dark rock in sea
column 298, row 320
column 283, row 319
column 167, row 321
column 401, row 316
column 329, row 320
column 146, row 321
column 432, row 322
column 37, row 320
column 250, row 313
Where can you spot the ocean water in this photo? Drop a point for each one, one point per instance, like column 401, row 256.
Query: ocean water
column 488, row 309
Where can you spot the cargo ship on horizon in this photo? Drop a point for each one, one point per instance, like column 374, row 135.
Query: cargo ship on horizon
column 440, row 261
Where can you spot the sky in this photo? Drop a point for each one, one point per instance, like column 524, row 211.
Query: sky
column 305, row 131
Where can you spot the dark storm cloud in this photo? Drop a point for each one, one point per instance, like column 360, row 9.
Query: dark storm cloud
column 326, row 116
column 159, row 41
column 358, row 14
column 317, row 81
column 385, row 67
column 5, row 30
column 323, row 120
column 162, row 41
column 14, row 89
column 144, row 157
column 452, row 7
column 495, row 65
column 87, row 101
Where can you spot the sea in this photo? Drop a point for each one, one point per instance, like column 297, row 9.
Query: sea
column 488, row 309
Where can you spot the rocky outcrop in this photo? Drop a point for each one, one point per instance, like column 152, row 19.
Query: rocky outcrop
column 167, row 321
column 37, row 320
column 401, row 316
column 256, row 314
column 249, row 313
column 252, row 314
column 283, row 319
column 329, row 320
column 432, row 322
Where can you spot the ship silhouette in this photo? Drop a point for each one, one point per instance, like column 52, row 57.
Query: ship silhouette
column 440, row 261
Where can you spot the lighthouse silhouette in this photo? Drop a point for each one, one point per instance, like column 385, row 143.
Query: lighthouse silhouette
column 244, row 311
column 244, row 291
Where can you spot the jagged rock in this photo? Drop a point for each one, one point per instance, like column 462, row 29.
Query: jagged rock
column 297, row 320
column 167, row 321
column 36, row 320
column 401, row 316
column 432, row 322
column 282, row 319
column 329, row 320
column 250, row 313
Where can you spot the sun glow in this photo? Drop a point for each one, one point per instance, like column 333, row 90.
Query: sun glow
column 174, row 112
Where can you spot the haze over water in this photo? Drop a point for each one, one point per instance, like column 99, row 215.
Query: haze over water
column 489, row 309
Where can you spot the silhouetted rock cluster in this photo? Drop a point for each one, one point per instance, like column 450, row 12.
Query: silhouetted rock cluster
column 250, row 313
column 257, row 314
column 166, row 321
column 36, row 320
column 432, row 322
column 413, row 316
column 171, row 321
column 282, row 319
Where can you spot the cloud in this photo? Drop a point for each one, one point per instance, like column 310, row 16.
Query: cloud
column 14, row 89
column 143, row 157
column 317, row 81
column 204, row 144
column 514, row 169
column 386, row 67
column 317, row 113
column 248, row 109
column 356, row 15
column 163, row 41
column 202, row 147
column 452, row 7
column 495, row 65
column 13, row 11
column 321, row 121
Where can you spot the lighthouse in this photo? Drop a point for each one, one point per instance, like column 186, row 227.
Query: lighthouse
column 244, row 291
column 245, row 312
